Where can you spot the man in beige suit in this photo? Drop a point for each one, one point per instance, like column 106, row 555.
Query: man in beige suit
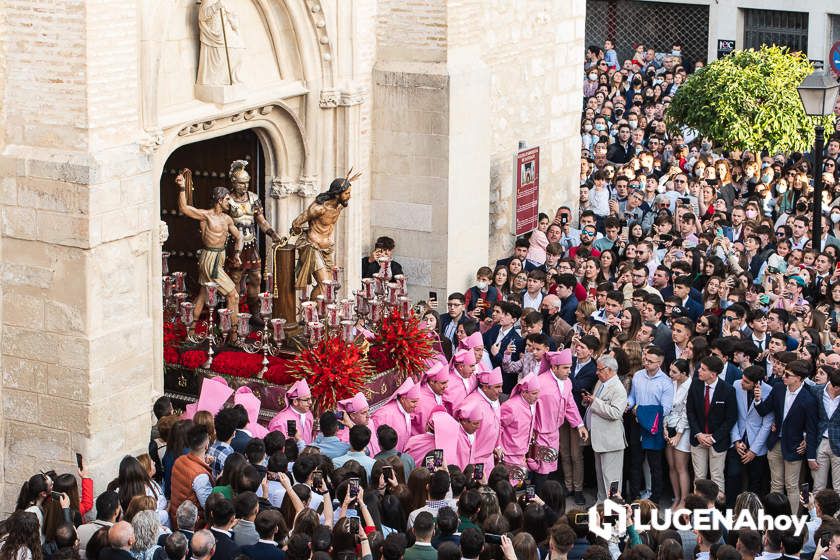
column 604, row 420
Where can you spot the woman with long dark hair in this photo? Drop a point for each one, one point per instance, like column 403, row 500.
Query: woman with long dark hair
column 134, row 480
column 23, row 537
column 176, row 445
column 34, row 497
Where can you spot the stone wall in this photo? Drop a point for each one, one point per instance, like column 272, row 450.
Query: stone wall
column 77, row 198
column 453, row 94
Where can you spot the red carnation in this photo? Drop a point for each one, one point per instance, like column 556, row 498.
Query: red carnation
column 193, row 358
column 170, row 355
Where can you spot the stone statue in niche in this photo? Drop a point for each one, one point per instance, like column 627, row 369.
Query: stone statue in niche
column 221, row 54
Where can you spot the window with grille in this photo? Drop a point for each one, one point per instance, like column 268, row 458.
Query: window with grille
column 773, row 27
column 653, row 24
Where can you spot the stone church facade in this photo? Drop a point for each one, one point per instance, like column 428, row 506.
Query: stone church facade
column 428, row 97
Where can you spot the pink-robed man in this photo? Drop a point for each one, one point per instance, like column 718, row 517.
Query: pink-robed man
column 298, row 408
column 555, row 406
column 462, row 380
column 357, row 411
column 475, row 343
column 398, row 410
column 518, row 419
column 486, row 448
column 432, row 388
column 439, row 434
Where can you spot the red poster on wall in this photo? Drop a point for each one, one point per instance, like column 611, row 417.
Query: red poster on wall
column 527, row 174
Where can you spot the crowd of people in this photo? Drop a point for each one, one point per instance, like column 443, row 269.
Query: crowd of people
column 673, row 343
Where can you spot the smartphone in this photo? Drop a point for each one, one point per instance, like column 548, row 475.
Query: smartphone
column 429, row 462
column 478, row 471
column 719, row 232
column 564, row 220
column 581, row 519
column 491, row 538
column 666, row 237
column 432, row 296
column 438, row 457
column 685, row 200
column 339, row 415
column 388, row 472
column 79, row 460
column 635, row 505
column 530, row 492
column 613, row 488
column 805, row 492
column 353, row 487
column 291, row 428
column 354, row 525
column 55, row 495
column 317, row 479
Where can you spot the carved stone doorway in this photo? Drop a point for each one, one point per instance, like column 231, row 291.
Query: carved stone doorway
column 209, row 161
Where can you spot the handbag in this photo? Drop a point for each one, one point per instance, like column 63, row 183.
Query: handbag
column 672, row 431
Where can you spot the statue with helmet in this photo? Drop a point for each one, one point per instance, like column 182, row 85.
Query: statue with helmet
column 247, row 213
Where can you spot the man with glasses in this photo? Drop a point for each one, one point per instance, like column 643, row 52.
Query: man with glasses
column 298, row 410
column 651, row 387
column 681, row 197
column 796, row 436
column 454, row 316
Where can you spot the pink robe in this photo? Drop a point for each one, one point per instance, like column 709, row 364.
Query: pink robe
column 424, row 409
column 554, row 408
column 278, row 423
column 373, row 447
column 456, row 392
column 449, row 436
column 488, row 435
column 391, row 415
column 517, row 427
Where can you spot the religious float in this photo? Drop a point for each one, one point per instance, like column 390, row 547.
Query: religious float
column 293, row 321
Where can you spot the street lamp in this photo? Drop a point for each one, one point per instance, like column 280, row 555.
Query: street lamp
column 818, row 93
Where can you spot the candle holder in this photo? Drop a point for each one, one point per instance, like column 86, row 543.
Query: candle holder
column 347, row 334
column 164, row 263
column 209, row 334
column 384, row 263
column 270, row 339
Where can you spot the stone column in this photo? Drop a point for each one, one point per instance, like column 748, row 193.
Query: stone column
column 79, row 277
column 431, row 147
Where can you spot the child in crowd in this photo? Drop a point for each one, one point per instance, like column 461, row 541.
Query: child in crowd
column 482, row 295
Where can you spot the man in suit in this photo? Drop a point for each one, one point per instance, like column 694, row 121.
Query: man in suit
column 749, row 437
column 455, row 314
column 735, row 321
column 120, row 540
column 682, row 290
column 267, row 524
column 828, row 430
column 176, row 546
column 224, row 518
column 652, row 312
column 604, row 419
column 583, row 377
column 796, row 433
column 203, row 545
column 501, row 335
column 424, row 529
column 712, row 412
column 724, row 348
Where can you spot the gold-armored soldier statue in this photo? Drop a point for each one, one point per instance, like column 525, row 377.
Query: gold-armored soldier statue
column 247, row 213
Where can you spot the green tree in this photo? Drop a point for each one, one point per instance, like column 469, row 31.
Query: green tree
column 748, row 100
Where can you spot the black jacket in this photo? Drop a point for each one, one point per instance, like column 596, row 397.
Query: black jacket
column 226, row 549
column 723, row 412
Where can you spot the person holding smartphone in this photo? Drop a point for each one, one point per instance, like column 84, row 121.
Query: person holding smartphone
column 298, row 408
column 357, row 413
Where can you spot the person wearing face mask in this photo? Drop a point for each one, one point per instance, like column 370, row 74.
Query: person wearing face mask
column 590, row 85
column 483, row 294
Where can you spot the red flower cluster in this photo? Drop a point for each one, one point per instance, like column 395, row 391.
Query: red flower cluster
column 334, row 370
column 381, row 358
column 278, row 373
column 404, row 342
column 237, row 364
column 170, row 355
column 174, row 334
column 193, row 358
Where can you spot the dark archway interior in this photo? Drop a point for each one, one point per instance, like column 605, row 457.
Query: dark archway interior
column 210, row 162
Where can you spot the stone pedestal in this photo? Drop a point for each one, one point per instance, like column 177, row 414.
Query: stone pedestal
column 220, row 95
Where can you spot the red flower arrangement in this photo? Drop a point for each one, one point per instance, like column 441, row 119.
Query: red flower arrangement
column 334, row 370
column 170, row 355
column 173, row 334
column 403, row 343
column 237, row 364
column 193, row 358
column 278, row 373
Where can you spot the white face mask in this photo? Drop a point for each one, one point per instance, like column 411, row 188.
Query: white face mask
column 593, row 77
column 633, row 124
column 751, row 214
column 481, row 286
column 835, row 218
column 587, row 127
